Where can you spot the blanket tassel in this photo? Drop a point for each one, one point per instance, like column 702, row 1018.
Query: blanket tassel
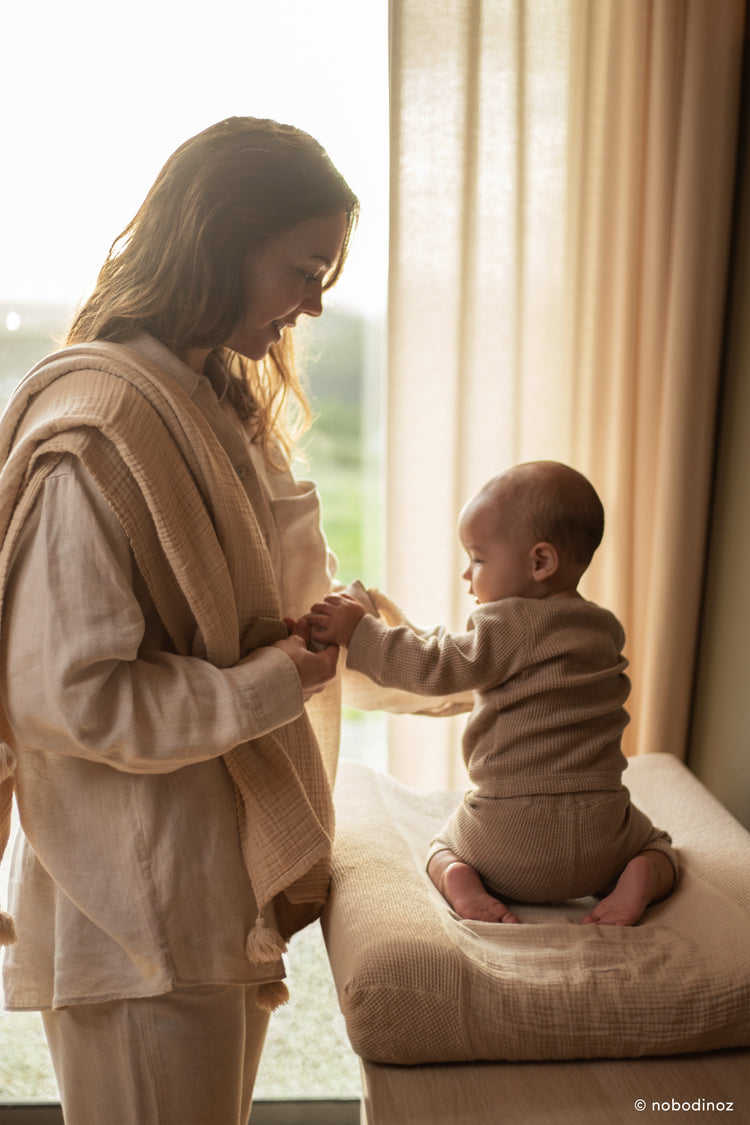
column 272, row 995
column 263, row 943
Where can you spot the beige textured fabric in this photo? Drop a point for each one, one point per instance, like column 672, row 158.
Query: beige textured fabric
column 545, row 848
column 550, row 689
column 188, row 1057
column 199, row 548
column 418, row 985
column 562, row 179
column 547, row 816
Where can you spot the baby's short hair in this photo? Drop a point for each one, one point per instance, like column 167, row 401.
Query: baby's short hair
column 551, row 502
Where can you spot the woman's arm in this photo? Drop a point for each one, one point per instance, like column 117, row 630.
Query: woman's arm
column 87, row 669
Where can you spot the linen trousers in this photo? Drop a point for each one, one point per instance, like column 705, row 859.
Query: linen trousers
column 188, row 1057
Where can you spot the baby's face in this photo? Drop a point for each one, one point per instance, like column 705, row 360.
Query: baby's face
column 499, row 565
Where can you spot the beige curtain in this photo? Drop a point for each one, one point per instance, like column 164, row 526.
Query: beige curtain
column 561, row 196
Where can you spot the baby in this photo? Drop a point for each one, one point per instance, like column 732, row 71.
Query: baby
column 547, row 817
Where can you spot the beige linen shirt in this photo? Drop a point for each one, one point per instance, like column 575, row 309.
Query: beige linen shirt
column 127, row 878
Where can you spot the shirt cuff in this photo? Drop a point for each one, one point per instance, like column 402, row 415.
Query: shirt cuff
column 269, row 682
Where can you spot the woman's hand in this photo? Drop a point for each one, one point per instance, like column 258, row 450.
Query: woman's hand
column 334, row 620
column 315, row 669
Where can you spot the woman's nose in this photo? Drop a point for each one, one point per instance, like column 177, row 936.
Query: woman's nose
column 312, row 304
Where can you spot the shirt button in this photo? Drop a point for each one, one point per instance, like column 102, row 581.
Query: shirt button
column 241, row 471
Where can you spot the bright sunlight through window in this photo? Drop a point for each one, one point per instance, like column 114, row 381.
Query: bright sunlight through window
column 94, row 99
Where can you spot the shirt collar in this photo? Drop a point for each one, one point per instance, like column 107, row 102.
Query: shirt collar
column 159, row 354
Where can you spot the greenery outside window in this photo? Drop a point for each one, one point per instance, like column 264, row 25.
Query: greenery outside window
column 81, row 165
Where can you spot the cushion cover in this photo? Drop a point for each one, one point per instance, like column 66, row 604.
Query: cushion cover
column 417, row 984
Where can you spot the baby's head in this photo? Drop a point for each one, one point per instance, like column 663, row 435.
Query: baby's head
column 531, row 532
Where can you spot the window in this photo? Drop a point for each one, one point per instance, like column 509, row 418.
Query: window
column 98, row 103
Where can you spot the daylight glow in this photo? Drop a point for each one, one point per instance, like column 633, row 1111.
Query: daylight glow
column 78, row 164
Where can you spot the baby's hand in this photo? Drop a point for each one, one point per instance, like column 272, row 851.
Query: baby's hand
column 334, row 620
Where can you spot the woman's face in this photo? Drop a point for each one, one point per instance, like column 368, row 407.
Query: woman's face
column 284, row 280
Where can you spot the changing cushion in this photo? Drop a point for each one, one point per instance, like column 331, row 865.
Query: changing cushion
column 417, row 984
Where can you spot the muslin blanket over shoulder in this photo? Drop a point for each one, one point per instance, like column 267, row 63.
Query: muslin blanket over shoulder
column 198, row 546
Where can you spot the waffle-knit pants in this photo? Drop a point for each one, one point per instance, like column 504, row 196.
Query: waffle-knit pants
column 188, row 1057
column 550, row 847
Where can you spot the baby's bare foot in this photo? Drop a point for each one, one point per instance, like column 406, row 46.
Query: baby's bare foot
column 465, row 892
column 635, row 889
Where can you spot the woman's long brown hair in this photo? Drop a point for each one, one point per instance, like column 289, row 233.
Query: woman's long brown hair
column 176, row 270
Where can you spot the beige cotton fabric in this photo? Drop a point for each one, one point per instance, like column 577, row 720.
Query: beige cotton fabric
column 417, row 984
column 549, row 684
column 547, row 816
column 206, row 564
column 189, row 1057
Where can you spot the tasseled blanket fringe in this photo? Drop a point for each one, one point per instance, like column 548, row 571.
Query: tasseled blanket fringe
column 266, row 944
column 272, row 995
column 263, row 943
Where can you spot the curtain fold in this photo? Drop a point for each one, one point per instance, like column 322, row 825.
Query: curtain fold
column 561, row 193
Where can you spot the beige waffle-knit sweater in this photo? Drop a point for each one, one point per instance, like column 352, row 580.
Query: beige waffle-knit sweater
column 548, row 816
column 198, row 546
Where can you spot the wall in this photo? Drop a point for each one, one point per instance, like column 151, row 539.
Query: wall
column 719, row 750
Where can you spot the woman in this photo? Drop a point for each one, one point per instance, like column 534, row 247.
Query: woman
column 174, row 802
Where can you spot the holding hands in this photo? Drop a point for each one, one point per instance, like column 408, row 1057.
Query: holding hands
column 333, row 621
column 315, row 669
column 314, row 640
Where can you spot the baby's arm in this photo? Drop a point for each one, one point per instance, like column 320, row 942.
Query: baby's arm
column 333, row 621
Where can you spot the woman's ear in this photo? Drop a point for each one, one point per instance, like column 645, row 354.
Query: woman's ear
column 544, row 561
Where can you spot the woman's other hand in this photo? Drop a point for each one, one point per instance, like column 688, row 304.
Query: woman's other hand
column 315, row 669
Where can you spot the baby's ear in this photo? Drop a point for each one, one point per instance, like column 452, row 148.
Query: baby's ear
column 545, row 561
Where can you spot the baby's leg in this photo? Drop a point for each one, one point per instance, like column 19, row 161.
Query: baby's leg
column 647, row 878
column 460, row 884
